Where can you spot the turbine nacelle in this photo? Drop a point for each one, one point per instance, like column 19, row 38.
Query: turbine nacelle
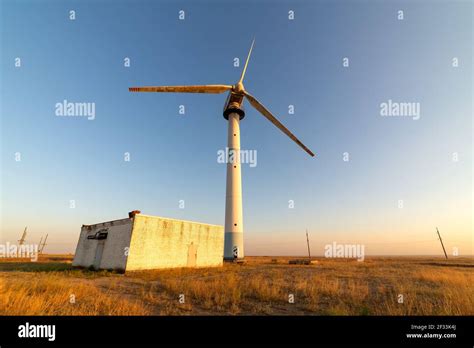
column 234, row 103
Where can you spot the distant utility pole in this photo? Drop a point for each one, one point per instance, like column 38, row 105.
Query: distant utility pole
column 439, row 235
column 44, row 243
column 21, row 241
column 307, row 241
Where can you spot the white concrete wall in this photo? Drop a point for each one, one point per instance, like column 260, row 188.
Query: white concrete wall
column 165, row 243
column 113, row 256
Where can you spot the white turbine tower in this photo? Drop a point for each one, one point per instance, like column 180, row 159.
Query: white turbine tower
column 234, row 113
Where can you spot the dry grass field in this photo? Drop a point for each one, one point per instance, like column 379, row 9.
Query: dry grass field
column 261, row 286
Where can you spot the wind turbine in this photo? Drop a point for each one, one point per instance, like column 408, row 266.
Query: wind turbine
column 233, row 113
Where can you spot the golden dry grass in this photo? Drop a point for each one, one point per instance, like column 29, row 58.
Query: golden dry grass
column 429, row 286
column 52, row 294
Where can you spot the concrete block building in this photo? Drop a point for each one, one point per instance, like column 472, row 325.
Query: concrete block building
column 143, row 242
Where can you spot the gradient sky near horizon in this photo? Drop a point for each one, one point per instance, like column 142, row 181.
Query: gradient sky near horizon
column 174, row 157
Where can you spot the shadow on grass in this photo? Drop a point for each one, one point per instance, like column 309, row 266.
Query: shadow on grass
column 66, row 269
column 448, row 264
column 34, row 266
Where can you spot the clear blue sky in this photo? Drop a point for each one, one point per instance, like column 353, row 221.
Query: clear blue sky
column 174, row 156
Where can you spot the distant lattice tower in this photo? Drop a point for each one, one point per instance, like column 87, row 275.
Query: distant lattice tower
column 21, row 241
column 41, row 247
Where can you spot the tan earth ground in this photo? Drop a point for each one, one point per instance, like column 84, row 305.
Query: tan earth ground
column 261, row 286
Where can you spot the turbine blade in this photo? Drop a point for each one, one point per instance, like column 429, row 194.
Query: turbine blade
column 183, row 89
column 257, row 105
column 246, row 62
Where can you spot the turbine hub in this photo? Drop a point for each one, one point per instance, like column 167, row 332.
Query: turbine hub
column 239, row 87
